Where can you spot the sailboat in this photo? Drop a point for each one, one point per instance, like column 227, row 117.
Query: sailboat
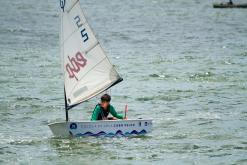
column 87, row 73
column 229, row 4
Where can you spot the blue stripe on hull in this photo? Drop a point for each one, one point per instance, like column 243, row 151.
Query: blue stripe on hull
column 119, row 132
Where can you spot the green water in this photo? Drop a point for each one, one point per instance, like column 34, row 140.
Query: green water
column 184, row 65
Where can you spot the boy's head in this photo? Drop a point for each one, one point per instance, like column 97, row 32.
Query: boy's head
column 105, row 100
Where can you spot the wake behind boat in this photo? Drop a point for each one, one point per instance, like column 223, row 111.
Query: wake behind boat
column 87, row 73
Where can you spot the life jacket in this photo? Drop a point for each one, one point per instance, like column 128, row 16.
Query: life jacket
column 104, row 113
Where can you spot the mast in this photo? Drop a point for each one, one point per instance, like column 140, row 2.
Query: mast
column 62, row 5
column 66, row 106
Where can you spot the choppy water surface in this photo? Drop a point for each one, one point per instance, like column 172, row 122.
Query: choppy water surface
column 184, row 65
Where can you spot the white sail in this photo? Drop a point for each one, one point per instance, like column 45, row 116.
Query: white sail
column 87, row 70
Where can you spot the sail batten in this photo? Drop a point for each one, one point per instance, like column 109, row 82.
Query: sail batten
column 93, row 46
column 87, row 70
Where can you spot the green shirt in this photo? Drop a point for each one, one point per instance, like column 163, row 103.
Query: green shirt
column 98, row 109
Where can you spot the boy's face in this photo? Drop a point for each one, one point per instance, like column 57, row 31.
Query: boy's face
column 105, row 104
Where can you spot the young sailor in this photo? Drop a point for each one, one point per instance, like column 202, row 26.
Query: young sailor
column 102, row 110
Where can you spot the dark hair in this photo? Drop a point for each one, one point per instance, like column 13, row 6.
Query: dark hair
column 105, row 98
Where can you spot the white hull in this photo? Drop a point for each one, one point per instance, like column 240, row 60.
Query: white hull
column 101, row 128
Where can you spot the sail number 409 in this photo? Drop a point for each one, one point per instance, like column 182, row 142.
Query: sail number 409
column 79, row 24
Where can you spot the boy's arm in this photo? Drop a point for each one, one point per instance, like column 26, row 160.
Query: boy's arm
column 115, row 114
column 95, row 114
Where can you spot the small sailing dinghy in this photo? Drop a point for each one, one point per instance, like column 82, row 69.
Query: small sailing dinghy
column 87, row 73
